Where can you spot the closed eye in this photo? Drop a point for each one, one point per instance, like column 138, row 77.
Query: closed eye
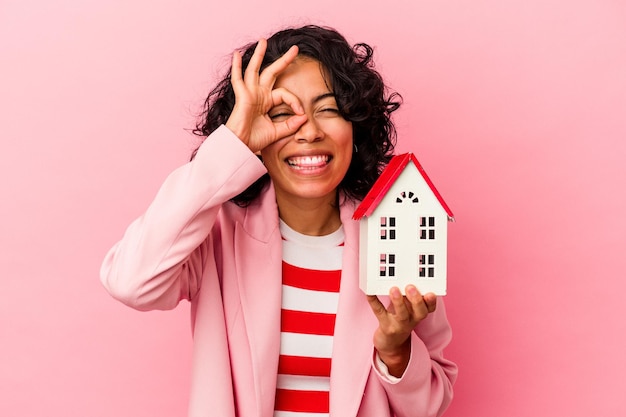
column 280, row 116
column 329, row 111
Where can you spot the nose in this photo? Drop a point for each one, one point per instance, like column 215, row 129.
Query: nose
column 310, row 131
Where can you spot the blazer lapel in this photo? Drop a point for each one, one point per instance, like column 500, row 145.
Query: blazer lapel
column 354, row 328
column 258, row 242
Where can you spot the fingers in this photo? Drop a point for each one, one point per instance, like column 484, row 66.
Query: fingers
column 250, row 85
column 377, row 307
column 431, row 301
column 252, row 70
column 269, row 74
column 399, row 306
column 288, row 125
column 235, row 71
column 400, row 317
column 420, row 305
column 282, row 95
column 255, row 96
column 413, row 307
column 253, row 74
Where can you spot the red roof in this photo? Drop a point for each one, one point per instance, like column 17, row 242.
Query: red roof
column 386, row 180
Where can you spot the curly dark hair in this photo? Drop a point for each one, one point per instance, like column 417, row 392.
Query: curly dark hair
column 361, row 95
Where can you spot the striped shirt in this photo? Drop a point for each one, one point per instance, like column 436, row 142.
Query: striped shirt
column 311, row 279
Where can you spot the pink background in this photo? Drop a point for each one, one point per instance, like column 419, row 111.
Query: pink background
column 517, row 110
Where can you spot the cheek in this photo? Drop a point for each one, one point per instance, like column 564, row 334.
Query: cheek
column 270, row 153
column 346, row 157
column 346, row 141
column 340, row 130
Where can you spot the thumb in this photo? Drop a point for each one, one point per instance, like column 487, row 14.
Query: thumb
column 290, row 126
column 377, row 307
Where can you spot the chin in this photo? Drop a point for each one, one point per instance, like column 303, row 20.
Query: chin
column 313, row 192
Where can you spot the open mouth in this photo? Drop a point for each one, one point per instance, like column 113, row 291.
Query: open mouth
column 308, row 162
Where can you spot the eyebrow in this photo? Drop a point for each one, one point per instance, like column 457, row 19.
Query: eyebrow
column 323, row 96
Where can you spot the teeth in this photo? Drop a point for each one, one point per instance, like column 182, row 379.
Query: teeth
column 308, row 161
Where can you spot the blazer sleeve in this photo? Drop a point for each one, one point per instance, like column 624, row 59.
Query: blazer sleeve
column 425, row 388
column 160, row 258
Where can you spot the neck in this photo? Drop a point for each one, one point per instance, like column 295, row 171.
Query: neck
column 317, row 217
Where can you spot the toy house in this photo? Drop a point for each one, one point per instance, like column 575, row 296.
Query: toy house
column 403, row 231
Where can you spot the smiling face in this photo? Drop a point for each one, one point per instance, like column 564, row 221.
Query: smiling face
column 309, row 165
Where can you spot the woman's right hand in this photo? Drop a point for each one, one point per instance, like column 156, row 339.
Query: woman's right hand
column 255, row 96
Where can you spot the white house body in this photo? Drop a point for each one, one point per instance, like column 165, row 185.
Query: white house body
column 403, row 232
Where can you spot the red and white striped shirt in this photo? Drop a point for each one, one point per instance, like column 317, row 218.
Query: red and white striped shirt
column 311, row 279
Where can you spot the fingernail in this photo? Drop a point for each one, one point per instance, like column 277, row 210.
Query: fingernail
column 395, row 292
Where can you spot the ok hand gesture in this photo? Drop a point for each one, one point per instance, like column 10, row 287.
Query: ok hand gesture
column 255, row 96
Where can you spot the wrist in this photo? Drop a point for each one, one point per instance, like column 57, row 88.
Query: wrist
column 396, row 360
column 237, row 126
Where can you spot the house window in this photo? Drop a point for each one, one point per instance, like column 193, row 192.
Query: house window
column 407, row 196
column 426, row 265
column 387, row 265
column 427, row 228
column 387, row 228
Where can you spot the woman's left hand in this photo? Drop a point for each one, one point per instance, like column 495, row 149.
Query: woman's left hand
column 392, row 338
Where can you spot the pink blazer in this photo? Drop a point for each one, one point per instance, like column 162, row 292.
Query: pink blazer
column 193, row 244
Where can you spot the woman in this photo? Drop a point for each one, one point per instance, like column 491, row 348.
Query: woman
column 256, row 232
